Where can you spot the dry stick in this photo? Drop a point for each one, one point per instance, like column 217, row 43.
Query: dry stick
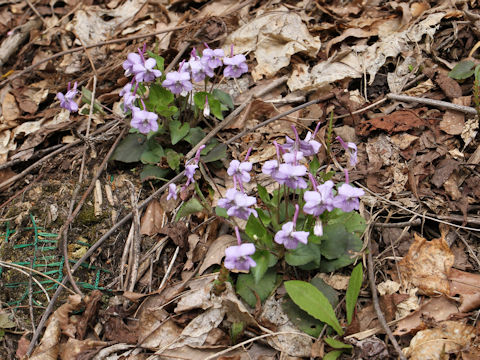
column 135, row 248
column 56, row 152
column 414, row 222
column 432, row 102
column 80, row 48
column 121, row 222
column 36, row 12
column 35, row 155
column 235, row 113
column 376, row 305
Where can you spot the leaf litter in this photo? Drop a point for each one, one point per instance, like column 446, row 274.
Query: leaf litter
column 420, row 157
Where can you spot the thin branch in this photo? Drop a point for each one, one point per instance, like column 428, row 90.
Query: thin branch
column 376, row 305
column 432, row 102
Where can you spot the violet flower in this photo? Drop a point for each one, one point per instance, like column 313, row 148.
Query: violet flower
column 143, row 120
column 271, row 167
column 145, row 72
column 291, row 175
column 240, row 170
column 200, row 70
column 316, row 202
column 66, row 101
column 172, row 192
column 241, row 206
column 178, row 82
column 213, row 58
column 307, row 146
column 235, row 65
column 288, row 236
column 229, row 200
column 128, row 96
column 348, row 198
column 351, row 149
column 237, row 257
column 132, row 59
column 191, row 167
column 293, row 157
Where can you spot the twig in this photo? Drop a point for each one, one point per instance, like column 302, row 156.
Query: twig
column 80, row 48
column 34, row 9
column 169, row 269
column 35, row 155
column 56, row 152
column 414, row 212
column 19, row 269
column 123, row 260
column 135, row 246
column 432, row 102
column 414, row 222
column 376, row 305
column 30, row 297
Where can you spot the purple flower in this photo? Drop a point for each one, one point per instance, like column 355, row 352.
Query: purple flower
column 229, row 200
column 128, row 97
column 316, row 202
column 189, row 172
column 291, row 175
column 240, row 170
column 66, row 101
column 348, row 198
column 178, row 82
column 145, row 71
column 290, row 238
column 307, row 146
column 292, row 157
column 271, row 167
column 172, row 192
column 143, row 120
column 200, row 70
column 213, row 58
column 235, row 66
column 240, row 207
column 351, row 148
column 132, row 59
column 237, row 257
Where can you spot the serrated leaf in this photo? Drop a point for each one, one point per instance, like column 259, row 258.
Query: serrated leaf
column 311, row 300
column 158, row 95
column 463, row 70
column 337, row 344
column 153, row 154
column 199, row 99
column 173, row 159
column 224, row 98
column 246, row 286
column 178, row 130
column 353, row 221
column 153, row 172
column 354, row 286
column 192, row 206
column 130, row 149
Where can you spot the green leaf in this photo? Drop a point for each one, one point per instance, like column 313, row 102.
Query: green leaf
column 353, row 221
column 87, row 98
column 178, row 131
column 337, row 344
column 330, row 293
column 314, row 165
column 264, row 216
column 463, row 70
column 303, row 254
column 160, row 60
column 264, row 195
column 338, row 247
column 173, row 159
column 264, row 260
column 311, row 300
column 255, row 229
column 215, row 107
column 192, row 206
column 166, row 111
column 151, row 172
column 217, row 153
column 247, row 287
column 333, row 355
column 199, row 99
column 354, row 286
column 195, row 135
column 223, row 97
column 153, row 154
column 221, row 212
column 130, row 148
column 158, row 95
column 308, row 324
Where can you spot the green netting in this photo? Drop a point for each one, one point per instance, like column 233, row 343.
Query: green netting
column 44, row 258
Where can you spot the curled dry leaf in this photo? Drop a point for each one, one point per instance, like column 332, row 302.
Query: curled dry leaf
column 216, row 251
column 427, row 265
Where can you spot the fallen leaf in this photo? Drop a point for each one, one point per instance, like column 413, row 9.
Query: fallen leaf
column 216, row 251
column 427, row 265
column 152, row 219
